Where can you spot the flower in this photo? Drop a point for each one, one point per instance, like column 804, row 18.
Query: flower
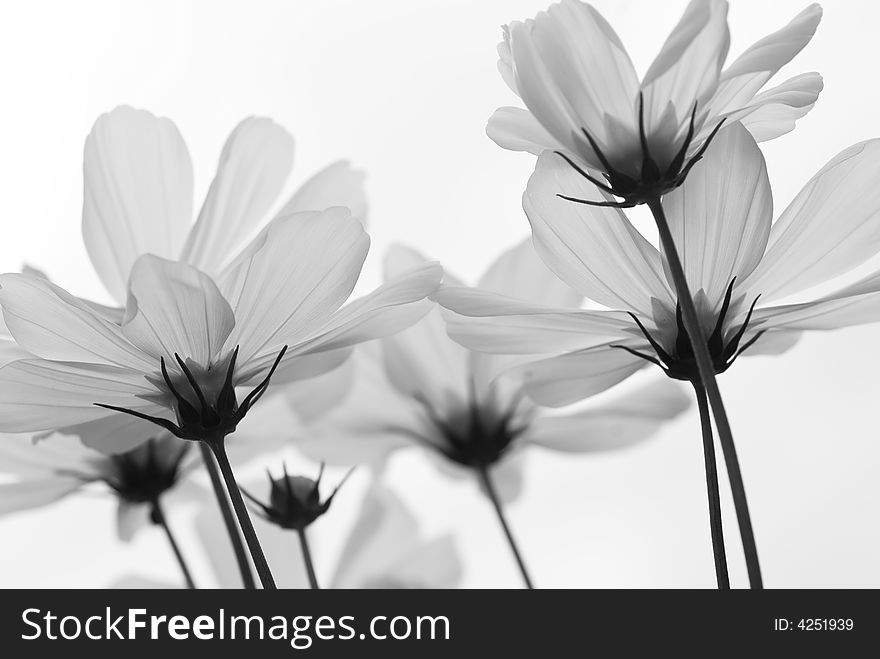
column 138, row 196
column 383, row 549
column 584, row 99
column 294, row 501
column 420, row 388
column 740, row 264
column 46, row 472
column 187, row 341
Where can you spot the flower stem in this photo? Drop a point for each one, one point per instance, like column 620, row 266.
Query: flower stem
column 715, row 523
column 707, row 376
column 486, row 480
column 307, row 559
column 244, row 565
column 244, row 518
column 157, row 515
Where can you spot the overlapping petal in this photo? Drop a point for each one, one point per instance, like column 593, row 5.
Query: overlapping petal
column 138, row 193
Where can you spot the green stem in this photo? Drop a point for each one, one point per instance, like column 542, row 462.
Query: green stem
column 244, row 565
column 244, row 518
column 715, row 522
column 707, row 376
column 158, row 517
column 486, row 480
column 307, row 559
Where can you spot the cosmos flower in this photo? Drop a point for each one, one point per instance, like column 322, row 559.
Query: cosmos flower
column 420, row 388
column 751, row 276
column 584, row 98
column 186, row 341
column 138, row 198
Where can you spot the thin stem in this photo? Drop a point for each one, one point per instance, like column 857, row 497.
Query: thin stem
column 158, row 517
column 244, row 565
column 244, row 518
column 486, row 480
column 707, row 375
column 715, row 523
column 307, row 559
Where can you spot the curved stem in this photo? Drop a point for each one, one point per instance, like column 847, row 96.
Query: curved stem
column 244, row 565
column 707, row 375
column 486, row 480
column 307, row 559
column 244, row 518
column 715, row 523
column 158, row 517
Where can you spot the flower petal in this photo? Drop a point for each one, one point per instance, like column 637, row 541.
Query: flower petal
column 175, row 309
column 254, row 165
column 572, row 72
column 51, row 323
column 137, row 196
column 520, row 273
column 338, row 184
column 310, row 399
column 27, row 456
column 574, row 376
column 595, row 250
column 113, row 434
column 30, row 494
column 43, row 395
column 775, row 111
column 750, row 71
column 130, row 518
column 288, row 281
column 395, row 305
column 687, row 68
column 720, row 218
column 832, row 226
column 487, row 322
column 627, row 420
column 517, row 129
column 384, row 549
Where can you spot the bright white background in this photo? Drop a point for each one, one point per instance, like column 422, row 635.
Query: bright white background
column 403, row 89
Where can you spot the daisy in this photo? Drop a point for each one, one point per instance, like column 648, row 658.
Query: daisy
column 420, row 388
column 753, row 276
column 584, row 99
column 187, row 342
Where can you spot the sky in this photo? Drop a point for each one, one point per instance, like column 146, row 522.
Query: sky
column 403, row 89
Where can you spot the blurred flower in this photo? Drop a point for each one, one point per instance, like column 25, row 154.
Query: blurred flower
column 420, row 388
column 187, row 339
column 294, row 501
column 384, row 549
column 584, row 99
column 48, row 471
column 739, row 262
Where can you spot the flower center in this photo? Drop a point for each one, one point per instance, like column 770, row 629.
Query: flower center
column 654, row 181
column 680, row 362
column 207, row 408
column 143, row 474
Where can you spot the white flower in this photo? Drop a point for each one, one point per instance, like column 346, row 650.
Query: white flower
column 186, row 340
column 739, row 263
column 420, row 388
column 584, row 99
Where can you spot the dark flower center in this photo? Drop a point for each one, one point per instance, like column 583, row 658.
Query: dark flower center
column 143, row 474
column 680, row 362
column 654, row 181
